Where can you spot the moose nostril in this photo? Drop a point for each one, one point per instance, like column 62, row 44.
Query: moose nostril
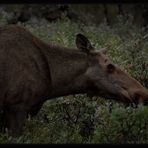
column 124, row 87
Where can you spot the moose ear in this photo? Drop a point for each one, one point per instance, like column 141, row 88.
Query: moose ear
column 83, row 43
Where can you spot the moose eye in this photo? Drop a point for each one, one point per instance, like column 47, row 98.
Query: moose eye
column 110, row 68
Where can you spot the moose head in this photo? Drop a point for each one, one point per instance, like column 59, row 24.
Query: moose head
column 107, row 79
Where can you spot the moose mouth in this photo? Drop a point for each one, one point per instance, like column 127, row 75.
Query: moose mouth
column 137, row 99
column 122, row 96
column 128, row 99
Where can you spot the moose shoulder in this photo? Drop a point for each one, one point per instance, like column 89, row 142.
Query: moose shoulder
column 32, row 71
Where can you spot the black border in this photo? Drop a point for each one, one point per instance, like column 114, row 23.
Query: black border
column 70, row 1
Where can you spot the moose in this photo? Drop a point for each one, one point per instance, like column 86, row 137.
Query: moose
column 32, row 71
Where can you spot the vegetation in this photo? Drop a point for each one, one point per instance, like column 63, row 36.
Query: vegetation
column 78, row 118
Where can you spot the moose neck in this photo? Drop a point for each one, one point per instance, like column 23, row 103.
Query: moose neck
column 67, row 68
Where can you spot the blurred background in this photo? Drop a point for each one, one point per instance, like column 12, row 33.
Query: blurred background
column 86, row 13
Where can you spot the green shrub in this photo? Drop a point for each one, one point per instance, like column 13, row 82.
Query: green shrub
column 121, row 125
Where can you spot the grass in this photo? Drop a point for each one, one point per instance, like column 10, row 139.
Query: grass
column 79, row 119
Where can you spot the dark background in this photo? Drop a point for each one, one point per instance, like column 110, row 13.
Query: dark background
column 86, row 13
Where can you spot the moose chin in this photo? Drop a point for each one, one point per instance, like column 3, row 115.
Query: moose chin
column 32, row 71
